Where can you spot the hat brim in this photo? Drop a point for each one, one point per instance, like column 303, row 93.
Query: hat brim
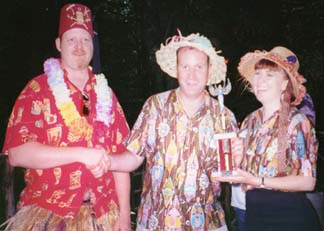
column 166, row 57
column 246, row 68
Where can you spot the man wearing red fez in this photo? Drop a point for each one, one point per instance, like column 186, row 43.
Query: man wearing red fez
column 62, row 126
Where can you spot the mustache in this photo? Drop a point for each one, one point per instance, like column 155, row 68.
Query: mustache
column 79, row 52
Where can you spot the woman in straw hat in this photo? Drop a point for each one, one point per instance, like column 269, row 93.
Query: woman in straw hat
column 280, row 147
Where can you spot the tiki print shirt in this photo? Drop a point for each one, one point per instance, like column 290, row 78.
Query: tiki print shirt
column 35, row 117
column 180, row 156
column 262, row 146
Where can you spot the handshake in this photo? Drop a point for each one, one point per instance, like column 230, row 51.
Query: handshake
column 97, row 160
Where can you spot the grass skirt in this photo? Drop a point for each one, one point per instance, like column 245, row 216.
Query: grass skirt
column 33, row 218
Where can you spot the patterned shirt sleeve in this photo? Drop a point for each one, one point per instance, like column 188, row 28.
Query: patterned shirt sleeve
column 25, row 122
column 244, row 134
column 303, row 146
column 119, row 129
column 137, row 141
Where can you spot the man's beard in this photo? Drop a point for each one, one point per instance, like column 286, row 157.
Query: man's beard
column 81, row 58
column 82, row 62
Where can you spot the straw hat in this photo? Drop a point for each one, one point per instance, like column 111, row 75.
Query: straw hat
column 282, row 56
column 166, row 56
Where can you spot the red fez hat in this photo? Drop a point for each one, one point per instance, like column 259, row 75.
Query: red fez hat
column 75, row 15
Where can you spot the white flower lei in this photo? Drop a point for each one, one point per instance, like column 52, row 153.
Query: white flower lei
column 104, row 99
column 63, row 101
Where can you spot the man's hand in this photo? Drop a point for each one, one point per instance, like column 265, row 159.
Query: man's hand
column 97, row 161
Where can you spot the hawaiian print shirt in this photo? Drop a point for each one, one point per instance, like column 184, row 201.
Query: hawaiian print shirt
column 262, row 146
column 180, row 156
column 35, row 117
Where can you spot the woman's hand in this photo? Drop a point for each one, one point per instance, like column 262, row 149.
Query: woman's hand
column 238, row 176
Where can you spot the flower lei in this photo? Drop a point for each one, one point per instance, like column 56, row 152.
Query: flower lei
column 104, row 99
column 72, row 118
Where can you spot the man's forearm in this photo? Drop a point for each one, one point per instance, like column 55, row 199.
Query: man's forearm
column 125, row 162
column 122, row 183
column 39, row 156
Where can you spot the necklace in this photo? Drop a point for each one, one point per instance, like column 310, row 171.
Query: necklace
column 78, row 125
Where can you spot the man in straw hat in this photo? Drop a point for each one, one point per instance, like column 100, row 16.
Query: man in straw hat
column 62, row 126
column 280, row 147
column 175, row 132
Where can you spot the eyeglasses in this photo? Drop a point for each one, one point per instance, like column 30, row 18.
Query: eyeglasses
column 85, row 105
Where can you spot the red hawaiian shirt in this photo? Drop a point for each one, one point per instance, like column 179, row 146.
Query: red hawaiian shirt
column 35, row 117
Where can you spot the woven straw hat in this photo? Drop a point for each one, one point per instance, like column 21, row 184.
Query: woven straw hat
column 282, row 56
column 166, row 56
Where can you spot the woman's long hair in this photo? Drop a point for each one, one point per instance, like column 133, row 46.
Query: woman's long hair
column 286, row 99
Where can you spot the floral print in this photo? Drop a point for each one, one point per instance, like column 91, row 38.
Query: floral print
column 36, row 117
column 180, row 157
column 261, row 153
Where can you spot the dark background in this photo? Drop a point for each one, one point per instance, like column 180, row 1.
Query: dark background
column 130, row 31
